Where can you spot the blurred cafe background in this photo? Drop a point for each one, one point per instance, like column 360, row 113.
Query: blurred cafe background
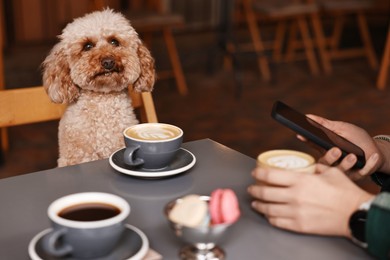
column 221, row 64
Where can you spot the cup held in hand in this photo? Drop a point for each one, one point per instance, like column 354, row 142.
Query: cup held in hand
column 152, row 146
column 287, row 160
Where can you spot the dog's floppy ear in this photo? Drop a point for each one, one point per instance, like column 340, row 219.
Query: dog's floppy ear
column 56, row 76
column 145, row 81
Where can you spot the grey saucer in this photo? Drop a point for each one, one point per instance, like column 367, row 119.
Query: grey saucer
column 183, row 161
column 133, row 246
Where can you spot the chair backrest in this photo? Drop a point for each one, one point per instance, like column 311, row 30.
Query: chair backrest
column 27, row 105
column 2, row 43
column 144, row 104
column 32, row 105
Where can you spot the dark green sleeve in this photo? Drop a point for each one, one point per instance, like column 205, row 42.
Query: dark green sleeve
column 378, row 226
column 382, row 180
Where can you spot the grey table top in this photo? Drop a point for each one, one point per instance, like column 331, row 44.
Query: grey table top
column 24, row 201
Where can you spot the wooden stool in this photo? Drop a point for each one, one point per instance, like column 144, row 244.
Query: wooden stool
column 340, row 9
column 148, row 17
column 281, row 11
column 3, row 131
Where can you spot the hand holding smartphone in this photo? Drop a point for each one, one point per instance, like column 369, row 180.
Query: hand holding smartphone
column 314, row 132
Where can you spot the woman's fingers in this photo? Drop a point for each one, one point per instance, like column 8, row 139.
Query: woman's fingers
column 348, row 162
column 284, row 223
column 278, row 215
column 272, row 209
column 300, row 137
column 275, row 176
column 272, row 194
column 321, row 167
column 331, row 156
column 320, row 120
column 367, row 169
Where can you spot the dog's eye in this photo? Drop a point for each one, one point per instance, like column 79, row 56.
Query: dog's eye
column 88, row 46
column 114, row 42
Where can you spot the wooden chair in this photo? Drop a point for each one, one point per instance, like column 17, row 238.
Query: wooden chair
column 340, row 10
column 2, row 36
column 3, row 131
column 283, row 12
column 32, row 105
column 385, row 65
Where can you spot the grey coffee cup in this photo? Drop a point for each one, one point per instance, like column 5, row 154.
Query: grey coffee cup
column 151, row 146
column 85, row 225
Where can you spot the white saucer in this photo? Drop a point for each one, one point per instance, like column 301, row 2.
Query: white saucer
column 133, row 246
column 183, row 161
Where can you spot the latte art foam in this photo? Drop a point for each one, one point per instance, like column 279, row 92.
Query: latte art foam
column 288, row 161
column 153, row 133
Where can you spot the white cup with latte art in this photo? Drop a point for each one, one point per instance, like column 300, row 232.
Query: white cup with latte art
column 287, row 160
column 151, row 146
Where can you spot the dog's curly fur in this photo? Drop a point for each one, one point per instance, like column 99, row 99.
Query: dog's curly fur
column 99, row 55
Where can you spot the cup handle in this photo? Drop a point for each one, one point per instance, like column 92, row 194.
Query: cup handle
column 129, row 156
column 50, row 244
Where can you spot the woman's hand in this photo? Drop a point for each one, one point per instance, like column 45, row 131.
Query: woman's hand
column 374, row 156
column 318, row 203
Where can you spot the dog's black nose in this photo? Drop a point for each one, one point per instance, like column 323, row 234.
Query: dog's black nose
column 108, row 63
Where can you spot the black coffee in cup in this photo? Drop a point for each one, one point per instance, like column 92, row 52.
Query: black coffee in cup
column 85, row 225
column 89, row 212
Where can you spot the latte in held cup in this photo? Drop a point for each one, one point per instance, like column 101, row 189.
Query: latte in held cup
column 287, row 160
column 151, row 146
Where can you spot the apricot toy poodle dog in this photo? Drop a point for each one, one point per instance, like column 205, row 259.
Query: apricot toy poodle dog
column 99, row 55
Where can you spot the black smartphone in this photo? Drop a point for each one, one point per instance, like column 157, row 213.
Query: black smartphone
column 315, row 132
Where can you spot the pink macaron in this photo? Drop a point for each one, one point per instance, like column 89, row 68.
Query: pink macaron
column 223, row 207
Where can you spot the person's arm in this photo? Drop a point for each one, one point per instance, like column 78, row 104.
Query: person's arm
column 321, row 203
column 318, row 203
column 378, row 226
